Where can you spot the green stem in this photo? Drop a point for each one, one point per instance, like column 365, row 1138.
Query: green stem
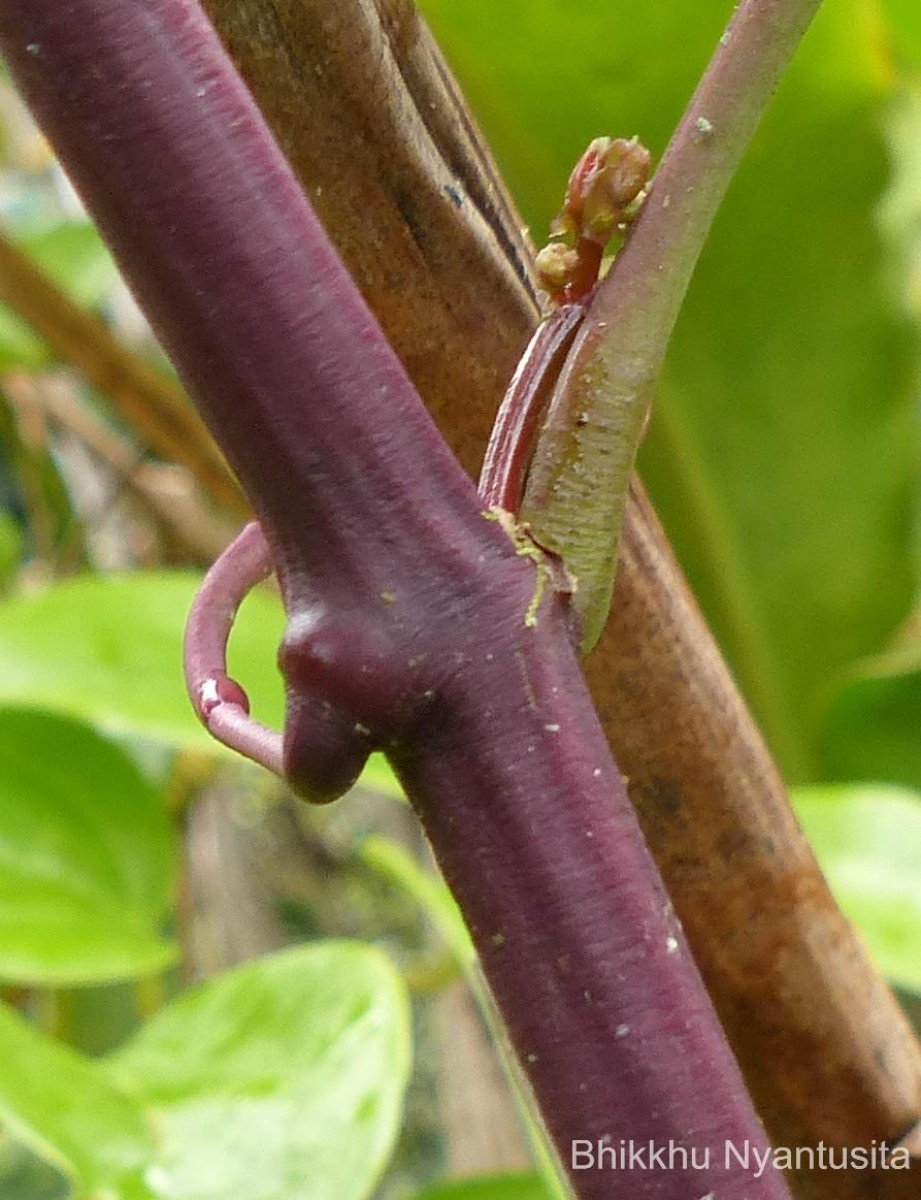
column 401, row 869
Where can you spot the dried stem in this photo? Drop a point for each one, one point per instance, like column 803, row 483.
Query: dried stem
column 171, row 494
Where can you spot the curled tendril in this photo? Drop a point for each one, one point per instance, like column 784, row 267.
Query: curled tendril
column 603, row 194
column 220, row 702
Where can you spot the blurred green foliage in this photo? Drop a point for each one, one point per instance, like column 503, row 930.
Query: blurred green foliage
column 87, row 857
column 290, row 1068
column 496, row 1187
column 868, row 837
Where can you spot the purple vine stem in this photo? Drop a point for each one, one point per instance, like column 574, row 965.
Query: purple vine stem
column 408, row 612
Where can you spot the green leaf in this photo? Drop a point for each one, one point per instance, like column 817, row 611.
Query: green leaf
column 86, row 857
column 871, row 730
column 283, row 1078
column 64, row 1107
column 868, row 841
column 109, row 650
column 903, row 25
column 25, row 1176
column 782, row 451
column 20, row 348
column 490, row 1187
column 899, row 213
column 73, row 255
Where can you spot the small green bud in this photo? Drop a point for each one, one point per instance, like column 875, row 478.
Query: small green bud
column 556, row 264
column 603, row 195
column 606, row 181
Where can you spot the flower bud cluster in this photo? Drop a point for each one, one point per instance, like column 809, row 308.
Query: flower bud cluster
column 604, row 193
